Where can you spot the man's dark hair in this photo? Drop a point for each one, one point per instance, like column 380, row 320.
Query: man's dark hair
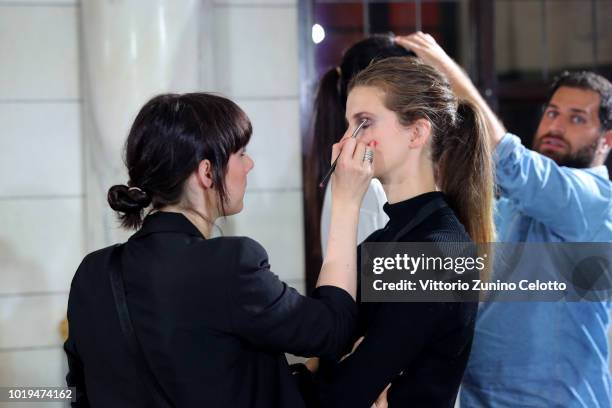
column 589, row 81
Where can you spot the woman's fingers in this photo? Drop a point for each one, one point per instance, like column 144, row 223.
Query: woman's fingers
column 422, row 38
column 363, row 156
column 334, row 154
column 405, row 42
column 415, row 39
column 352, row 175
column 336, row 149
column 416, row 45
column 352, row 153
column 426, row 48
column 419, row 43
column 347, row 150
column 429, row 38
column 359, row 152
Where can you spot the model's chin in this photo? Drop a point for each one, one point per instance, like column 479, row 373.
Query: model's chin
column 234, row 209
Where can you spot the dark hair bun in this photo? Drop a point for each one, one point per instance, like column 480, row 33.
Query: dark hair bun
column 127, row 200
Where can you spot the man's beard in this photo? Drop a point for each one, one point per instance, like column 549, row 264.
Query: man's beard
column 580, row 159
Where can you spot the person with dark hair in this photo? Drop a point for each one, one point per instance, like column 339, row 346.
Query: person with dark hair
column 329, row 126
column 176, row 318
column 434, row 163
column 544, row 354
column 579, row 151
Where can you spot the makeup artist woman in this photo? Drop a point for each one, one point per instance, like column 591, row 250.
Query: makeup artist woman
column 175, row 318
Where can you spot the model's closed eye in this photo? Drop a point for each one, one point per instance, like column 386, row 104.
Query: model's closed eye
column 360, row 119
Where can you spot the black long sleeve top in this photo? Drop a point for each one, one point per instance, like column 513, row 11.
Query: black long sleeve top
column 213, row 322
column 420, row 348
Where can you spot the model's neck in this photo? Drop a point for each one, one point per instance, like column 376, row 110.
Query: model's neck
column 409, row 182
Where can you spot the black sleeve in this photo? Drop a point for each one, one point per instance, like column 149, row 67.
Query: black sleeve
column 272, row 315
column 387, row 348
column 76, row 376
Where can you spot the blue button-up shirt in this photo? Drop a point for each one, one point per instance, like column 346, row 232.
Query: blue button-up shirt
column 541, row 354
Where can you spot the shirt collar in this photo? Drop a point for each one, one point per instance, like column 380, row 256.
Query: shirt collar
column 601, row 171
column 162, row 221
column 404, row 211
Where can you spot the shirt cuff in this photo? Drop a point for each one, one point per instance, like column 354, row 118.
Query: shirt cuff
column 508, row 144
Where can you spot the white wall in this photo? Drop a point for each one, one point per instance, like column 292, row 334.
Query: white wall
column 41, row 185
column 131, row 51
column 250, row 54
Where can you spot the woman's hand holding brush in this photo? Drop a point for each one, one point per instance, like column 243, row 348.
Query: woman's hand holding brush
column 350, row 181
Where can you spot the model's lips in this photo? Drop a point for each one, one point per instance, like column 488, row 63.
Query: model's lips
column 553, row 142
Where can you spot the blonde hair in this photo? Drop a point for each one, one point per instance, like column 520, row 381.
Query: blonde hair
column 459, row 146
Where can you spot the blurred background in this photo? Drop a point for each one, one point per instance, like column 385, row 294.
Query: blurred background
column 74, row 73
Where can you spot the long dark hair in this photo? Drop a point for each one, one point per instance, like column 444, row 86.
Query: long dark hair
column 459, row 146
column 329, row 125
column 170, row 136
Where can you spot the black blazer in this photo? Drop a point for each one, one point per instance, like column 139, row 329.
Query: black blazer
column 211, row 318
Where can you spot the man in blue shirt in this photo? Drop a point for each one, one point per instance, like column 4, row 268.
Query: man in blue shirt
column 543, row 354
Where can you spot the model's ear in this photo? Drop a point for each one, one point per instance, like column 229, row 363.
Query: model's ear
column 607, row 140
column 204, row 174
column 420, row 133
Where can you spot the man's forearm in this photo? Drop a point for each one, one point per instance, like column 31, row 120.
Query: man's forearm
column 465, row 89
column 427, row 49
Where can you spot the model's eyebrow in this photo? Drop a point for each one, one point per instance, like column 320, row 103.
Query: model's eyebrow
column 575, row 110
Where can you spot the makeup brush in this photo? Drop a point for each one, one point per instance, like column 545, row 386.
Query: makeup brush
column 333, row 166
